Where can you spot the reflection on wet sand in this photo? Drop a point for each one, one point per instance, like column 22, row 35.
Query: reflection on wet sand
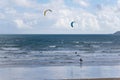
column 59, row 72
column 96, row 79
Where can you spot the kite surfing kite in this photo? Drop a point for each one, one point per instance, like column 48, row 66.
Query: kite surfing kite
column 72, row 24
column 48, row 10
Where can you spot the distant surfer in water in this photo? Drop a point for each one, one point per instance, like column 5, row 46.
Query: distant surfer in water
column 75, row 52
column 81, row 60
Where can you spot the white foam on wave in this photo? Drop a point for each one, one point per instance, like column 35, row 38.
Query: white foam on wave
column 95, row 46
column 79, row 45
column 77, row 42
column 107, row 42
column 65, row 57
column 52, row 46
column 10, row 48
column 9, row 45
column 91, row 42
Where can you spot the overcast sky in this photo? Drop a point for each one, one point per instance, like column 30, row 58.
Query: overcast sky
column 90, row 16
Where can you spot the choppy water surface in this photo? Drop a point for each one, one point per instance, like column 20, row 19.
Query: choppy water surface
column 44, row 50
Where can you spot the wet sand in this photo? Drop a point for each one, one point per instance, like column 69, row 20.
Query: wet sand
column 96, row 79
column 57, row 65
column 61, row 73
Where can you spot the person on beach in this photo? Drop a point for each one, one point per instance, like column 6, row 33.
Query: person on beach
column 81, row 60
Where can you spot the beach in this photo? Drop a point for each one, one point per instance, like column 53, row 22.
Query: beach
column 60, row 73
column 59, row 57
column 98, row 79
column 62, row 65
column 59, row 39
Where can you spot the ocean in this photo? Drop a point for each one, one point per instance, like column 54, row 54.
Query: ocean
column 59, row 50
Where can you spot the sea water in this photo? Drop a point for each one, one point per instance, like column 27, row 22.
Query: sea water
column 59, row 50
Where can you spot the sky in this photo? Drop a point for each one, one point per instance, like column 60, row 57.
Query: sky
column 90, row 16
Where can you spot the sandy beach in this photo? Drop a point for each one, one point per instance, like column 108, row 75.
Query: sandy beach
column 97, row 79
column 61, row 73
column 61, row 65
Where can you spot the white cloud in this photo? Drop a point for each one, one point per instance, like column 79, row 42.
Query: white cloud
column 2, row 16
column 4, row 3
column 84, row 20
column 24, row 3
column 105, row 20
column 118, row 2
column 109, row 19
column 21, row 24
column 64, row 19
column 10, row 11
column 88, row 21
column 83, row 3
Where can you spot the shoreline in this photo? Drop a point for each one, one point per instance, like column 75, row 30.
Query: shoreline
column 61, row 58
column 37, row 66
column 95, row 79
